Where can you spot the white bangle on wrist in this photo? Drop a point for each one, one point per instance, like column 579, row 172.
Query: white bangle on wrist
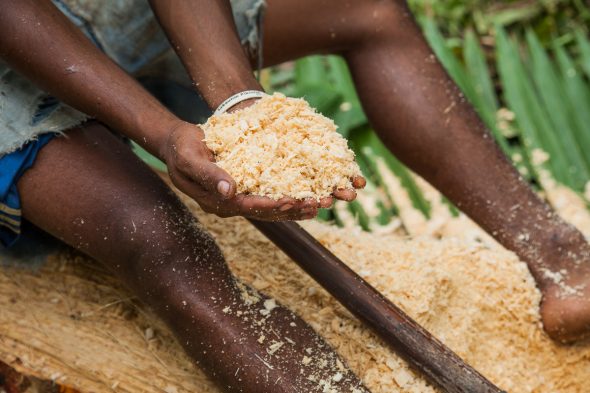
column 237, row 98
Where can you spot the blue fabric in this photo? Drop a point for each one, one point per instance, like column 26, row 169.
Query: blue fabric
column 12, row 167
column 31, row 249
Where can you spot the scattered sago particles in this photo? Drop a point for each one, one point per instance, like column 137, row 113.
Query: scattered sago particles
column 279, row 147
column 473, row 295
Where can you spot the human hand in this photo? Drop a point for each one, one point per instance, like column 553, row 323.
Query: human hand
column 191, row 166
column 349, row 195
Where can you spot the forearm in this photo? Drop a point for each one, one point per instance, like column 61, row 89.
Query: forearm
column 38, row 41
column 203, row 34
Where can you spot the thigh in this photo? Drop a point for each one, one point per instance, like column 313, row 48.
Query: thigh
column 297, row 28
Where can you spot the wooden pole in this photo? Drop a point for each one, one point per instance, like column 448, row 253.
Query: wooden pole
column 409, row 340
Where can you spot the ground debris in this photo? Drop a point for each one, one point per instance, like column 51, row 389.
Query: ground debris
column 478, row 299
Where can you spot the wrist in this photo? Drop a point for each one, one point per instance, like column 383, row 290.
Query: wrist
column 173, row 134
column 148, row 125
column 215, row 97
column 243, row 105
column 237, row 99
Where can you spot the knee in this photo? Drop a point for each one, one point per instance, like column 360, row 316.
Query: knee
column 165, row 240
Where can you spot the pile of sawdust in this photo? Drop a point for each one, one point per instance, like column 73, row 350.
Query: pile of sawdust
column 281, row 147
column 74, row 323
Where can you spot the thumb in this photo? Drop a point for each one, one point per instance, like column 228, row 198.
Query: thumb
column 213, row 179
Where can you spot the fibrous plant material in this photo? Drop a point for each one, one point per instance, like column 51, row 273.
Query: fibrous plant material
column 280, row 147
column 74, row 323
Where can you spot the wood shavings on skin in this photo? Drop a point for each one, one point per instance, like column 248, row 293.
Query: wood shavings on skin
column 478, row 299
column 280, row 147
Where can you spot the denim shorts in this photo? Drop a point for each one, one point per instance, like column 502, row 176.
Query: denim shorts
column 127, row 31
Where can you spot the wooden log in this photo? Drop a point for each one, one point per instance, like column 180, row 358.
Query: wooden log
column 407, row 338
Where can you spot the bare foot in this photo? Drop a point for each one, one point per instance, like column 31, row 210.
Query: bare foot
column 566, row 313
column 564, row 279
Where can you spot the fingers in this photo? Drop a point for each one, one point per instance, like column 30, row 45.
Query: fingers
column 250, row 206
column 215, row 191
column 345, row 195
column 359, row 182
column 264, row 208
column 212, row 178
column 292, row 216
column 349, row 195
column 193, row 170
column 194, row 161
column 326, row 202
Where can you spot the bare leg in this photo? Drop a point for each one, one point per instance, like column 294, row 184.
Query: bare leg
column 91, row 191
column 423, row 118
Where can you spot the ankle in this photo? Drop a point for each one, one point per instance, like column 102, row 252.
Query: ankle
column 564, row 253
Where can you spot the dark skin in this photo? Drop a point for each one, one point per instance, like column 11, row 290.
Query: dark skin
column 170, row 262
column 159, row 250
column 101, row 89
column 448, row 144
column 424, row 119
column 90, row 191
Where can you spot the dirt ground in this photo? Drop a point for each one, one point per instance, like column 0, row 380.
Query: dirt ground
column 71, row 322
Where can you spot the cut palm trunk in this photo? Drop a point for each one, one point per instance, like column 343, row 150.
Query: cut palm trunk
column 409, row 340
